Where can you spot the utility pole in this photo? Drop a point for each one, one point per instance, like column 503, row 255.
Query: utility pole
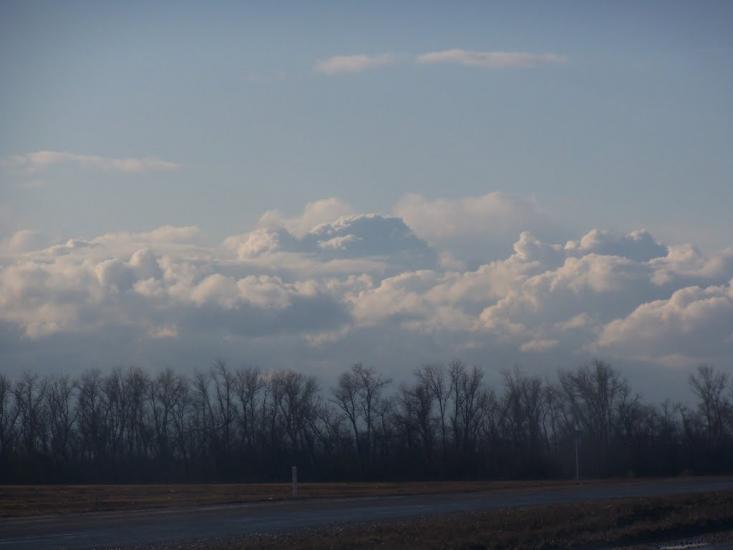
column 294, row 476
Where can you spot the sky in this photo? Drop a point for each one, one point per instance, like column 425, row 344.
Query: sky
column 310, row 184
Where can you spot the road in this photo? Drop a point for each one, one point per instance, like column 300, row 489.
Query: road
column 104, row 529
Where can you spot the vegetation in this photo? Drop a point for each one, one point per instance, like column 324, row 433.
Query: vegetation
column 247, row 425
column 34, row 500
column 586, row 525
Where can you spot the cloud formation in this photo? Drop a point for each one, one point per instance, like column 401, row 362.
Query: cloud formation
column 37, row 161
column 341, row 64
column 491, row 60
column 353, row 63
column 695, row 322
column 386, row 241
column 314, row 213
column 473, row 229
column 312, row 290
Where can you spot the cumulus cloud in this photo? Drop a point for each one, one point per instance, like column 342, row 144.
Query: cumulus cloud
column 386, row 241
column 165, row 234
column 24, row 240
column 331, row 288
column 85, row 290
column 491, row 60
column 602, row 287
column 475, row 229
column 37, row 161
column 694, row 323
column 637, row 245
column 315, row 213
column 353, row 63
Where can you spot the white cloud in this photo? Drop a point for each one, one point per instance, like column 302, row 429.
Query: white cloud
column 475, row 229
column 637, row 245
column 160, row 235
column 349, row 64
column 257, row 243
column 314, row 214
column 685, row 265
column 40, row 160
column 367, row 287
column 163, row 332
column 100, row 288
column 385, row 240
column 353, row 63
column 491, row 60
column 548, row 299
column 539, row 345
column 24, row 240
column 695, row 322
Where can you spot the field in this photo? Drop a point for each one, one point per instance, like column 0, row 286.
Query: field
column 493, row 515
column 589, row 525
column 30, row 500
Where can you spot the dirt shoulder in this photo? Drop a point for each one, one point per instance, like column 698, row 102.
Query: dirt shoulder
column 637, row 522
column 41, row 500
column 34, row 500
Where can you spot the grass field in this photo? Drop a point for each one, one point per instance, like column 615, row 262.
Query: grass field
column 585, row 525
column 30, row 500
column 588, row 525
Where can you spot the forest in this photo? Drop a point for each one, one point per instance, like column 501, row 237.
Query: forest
column 248, row 425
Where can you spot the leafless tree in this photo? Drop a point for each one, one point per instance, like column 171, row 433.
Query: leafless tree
column 225, row 424
column 358, row 395
column 710, row 386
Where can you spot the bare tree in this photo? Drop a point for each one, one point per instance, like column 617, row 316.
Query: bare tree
column 8, row 418
column 469, row 399
column 523, row 412
column 61, row 417
column 224, row 410
column 165, row 393
column 594, row 394
column 359, row 395
column 710, row 386
column 434, row 378
column 297, row 407
column 224, row 424
column 29, row 393
column 249, row 386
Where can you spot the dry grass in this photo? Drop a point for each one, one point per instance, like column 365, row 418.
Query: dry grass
column 31, row 500
column 586, row 525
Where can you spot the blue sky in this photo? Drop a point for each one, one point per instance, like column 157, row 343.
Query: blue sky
column 634, row 130
column 394, row 182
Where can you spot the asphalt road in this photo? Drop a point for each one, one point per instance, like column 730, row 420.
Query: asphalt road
column 100, row 530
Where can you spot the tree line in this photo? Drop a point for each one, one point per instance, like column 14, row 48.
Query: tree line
column 249, row 425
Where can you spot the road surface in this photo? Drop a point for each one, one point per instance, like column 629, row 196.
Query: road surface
column 104, row 529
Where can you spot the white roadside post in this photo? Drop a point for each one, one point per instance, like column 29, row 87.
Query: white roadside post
column 294, row 475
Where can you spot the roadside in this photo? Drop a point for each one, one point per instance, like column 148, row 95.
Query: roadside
column 722, row 540
column 638, row 523
column 38, row 500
